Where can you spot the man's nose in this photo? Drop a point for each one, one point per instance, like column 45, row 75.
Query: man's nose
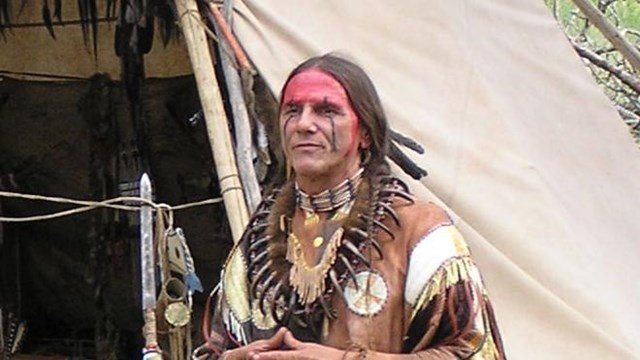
column 307, row 120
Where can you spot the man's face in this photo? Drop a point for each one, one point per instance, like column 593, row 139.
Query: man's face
column 320, row 130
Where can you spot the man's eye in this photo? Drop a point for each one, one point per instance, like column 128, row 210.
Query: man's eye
column 291, row 111
column 329, row 111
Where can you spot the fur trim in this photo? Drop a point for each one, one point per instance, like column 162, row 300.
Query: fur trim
column 373, row 202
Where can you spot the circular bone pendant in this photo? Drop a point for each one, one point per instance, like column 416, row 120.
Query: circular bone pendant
column 369, row 297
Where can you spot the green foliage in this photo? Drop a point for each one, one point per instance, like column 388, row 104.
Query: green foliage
column 625, row 16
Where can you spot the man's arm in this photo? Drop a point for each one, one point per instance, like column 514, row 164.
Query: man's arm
column 453, row 318
column 455, row 323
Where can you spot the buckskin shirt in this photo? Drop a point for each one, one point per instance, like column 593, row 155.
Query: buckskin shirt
column 402, row 281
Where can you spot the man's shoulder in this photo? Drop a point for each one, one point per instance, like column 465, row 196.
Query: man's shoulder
column 420, row 215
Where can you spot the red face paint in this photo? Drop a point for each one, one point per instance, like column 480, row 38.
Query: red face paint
column 315, row 87
column 320, row 130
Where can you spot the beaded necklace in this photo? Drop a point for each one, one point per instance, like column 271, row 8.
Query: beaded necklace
column 269, row 244
column 327, row 200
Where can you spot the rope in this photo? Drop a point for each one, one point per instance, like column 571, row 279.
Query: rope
column 195, row 15
column 91, row 205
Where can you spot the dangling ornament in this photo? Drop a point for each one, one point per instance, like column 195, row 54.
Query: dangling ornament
column 308, row 281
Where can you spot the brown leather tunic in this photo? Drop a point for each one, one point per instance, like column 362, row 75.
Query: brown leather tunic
column 425, row 296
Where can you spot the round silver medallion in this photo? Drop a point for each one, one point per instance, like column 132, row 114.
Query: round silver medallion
column 177, row 314
column 369, row 297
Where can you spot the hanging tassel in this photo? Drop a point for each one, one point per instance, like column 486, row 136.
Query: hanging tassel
column 57, row 10
column 4, row 16
column 46, row 17
column 193, row 282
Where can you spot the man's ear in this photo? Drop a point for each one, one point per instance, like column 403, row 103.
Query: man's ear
column 365, row 139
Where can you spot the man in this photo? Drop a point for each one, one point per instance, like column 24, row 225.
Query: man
column 341, row 261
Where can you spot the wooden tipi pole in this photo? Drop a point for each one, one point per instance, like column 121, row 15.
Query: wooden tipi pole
column 215, row 117
column 240, row 114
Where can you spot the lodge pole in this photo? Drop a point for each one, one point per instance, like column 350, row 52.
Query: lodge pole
column 215, row 118
column 244, row 149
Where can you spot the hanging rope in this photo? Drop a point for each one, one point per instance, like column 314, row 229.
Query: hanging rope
column 132, row 204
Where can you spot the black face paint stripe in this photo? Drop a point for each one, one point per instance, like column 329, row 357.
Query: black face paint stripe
column 287, row 109
column 334, row 147
column 287, row 121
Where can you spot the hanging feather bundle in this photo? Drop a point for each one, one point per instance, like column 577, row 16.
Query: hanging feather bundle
column 166, row 13
column 144, row 16
column 46, row 17
column 88, row 11
column 4, row 17
column 57, row 10
column 126, row 47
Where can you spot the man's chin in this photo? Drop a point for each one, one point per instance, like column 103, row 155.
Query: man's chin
column 308, row 169
column 307, row 172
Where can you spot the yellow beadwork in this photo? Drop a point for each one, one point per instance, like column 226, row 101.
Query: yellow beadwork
column 308, row 281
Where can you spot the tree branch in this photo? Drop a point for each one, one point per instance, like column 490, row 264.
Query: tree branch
column 598, row 19
column 631, row 118
column 598, row 61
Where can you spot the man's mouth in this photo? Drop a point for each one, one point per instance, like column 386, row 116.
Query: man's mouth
column 306, row 145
